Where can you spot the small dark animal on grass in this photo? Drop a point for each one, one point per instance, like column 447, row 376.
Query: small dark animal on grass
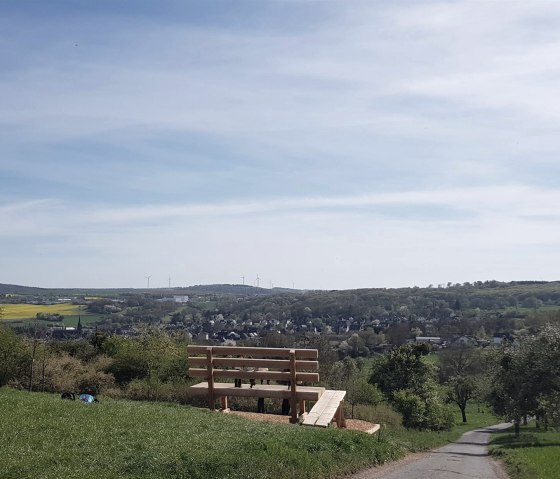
column 68, row 395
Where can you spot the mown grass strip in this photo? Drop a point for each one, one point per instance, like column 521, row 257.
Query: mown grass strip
column 534, row 454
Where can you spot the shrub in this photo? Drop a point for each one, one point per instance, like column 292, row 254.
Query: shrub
column 66, row 373
column 423, row 412
column 412, row 408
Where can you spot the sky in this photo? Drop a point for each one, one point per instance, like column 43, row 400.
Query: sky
column 315, row 144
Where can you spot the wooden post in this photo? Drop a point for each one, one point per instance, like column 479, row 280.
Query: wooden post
column 210, row 371
column 302, row 407
column 293, row 398
column 225, row 406
column 340, row 419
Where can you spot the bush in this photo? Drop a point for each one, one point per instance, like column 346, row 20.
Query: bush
column 66, row 373
column 422, row 412
column 412, row 408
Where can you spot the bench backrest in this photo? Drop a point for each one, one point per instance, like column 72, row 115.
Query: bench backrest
column 277, row 364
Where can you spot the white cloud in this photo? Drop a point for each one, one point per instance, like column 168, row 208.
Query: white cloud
column 446, row 108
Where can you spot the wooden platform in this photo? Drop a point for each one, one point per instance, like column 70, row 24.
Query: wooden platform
column 325, row 410
column 304, row 393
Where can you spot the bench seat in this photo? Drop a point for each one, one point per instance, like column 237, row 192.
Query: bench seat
column 304, row 393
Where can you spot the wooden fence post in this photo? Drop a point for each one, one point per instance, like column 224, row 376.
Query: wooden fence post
column 210, row 370
column 293, row 400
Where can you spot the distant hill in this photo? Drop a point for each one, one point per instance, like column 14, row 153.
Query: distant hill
column 16, row 289
column 235, row 289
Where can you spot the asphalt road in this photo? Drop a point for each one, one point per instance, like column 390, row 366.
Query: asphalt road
column 467, row 457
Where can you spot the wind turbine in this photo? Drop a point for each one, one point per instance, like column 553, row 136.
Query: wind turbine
column 148, row 278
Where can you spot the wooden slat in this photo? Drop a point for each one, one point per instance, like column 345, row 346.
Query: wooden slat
column 301, row 365
column 265, row 375
column 275, row 391
column 318, row 409
column 255, row 352
column 325, row 409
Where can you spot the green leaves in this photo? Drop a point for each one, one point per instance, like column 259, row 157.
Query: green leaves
column 525, row 378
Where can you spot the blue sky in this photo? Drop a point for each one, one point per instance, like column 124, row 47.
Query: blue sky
column 321, row 144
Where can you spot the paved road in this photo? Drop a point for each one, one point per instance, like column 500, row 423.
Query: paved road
column 468, row 457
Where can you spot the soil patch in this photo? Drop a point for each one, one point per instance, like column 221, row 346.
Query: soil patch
column 354, row 424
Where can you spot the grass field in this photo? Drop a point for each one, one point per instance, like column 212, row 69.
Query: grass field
column 44, row 437
column 535, row 454
column 27, row 312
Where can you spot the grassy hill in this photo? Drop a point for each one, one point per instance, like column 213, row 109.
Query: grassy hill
column 43, row 436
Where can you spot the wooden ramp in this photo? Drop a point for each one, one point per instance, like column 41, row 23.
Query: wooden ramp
column 327, row 409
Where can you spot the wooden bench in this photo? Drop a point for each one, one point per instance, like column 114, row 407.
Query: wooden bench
column 291, row 367
column 328, row 408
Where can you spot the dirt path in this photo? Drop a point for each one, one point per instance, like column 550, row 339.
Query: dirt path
column 467, row 457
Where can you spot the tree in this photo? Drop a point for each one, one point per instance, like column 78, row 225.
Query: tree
column 354, row 346
column 459, row 368
column 402, row 368
column 459, row 361
column 153, row 357
column 359, row 391
column 461, row 390
column 12, row 352
column 524, row 378
column 409, row 384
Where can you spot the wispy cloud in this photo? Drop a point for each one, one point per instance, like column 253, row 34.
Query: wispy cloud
column 412, row 124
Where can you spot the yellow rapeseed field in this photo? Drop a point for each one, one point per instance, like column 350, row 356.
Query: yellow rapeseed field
column 29, row 311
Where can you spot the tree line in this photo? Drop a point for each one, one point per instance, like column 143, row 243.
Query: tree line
column 517, row 380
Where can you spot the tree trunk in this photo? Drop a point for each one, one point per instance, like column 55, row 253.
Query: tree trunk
column 517, row 426
column 463, row 413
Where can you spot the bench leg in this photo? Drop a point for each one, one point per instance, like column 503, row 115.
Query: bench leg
column 339, row 416
column 293, row 412
column 285, row 407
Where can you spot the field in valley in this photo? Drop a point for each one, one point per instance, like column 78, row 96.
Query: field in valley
column 23, row 313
